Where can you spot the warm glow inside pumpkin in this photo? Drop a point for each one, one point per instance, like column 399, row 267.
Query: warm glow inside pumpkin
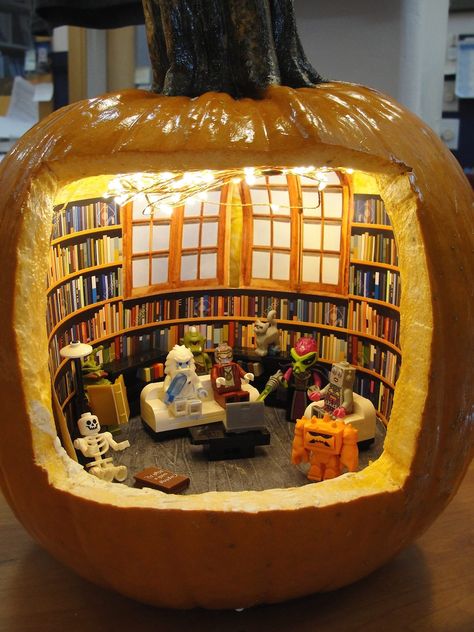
column 428, row 443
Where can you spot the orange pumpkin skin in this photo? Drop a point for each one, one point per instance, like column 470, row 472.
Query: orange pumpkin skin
column 239, row 549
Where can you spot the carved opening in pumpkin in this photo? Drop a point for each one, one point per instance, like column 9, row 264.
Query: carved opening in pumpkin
column 137, row 259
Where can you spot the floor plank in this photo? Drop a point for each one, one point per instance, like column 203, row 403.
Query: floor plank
column 269, row 468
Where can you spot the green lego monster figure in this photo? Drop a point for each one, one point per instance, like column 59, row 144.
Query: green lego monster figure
column 194, row 341
column 92, row 372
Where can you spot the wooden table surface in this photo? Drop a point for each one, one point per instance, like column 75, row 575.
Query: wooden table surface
column 429, row 586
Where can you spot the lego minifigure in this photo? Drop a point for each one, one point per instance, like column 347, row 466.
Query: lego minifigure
column 195, row 341
column 227, row 376
column 266, row 335
column 327, row 445
column 95, row 444
column 338, row 393
column 304, row 356
column 183, row 390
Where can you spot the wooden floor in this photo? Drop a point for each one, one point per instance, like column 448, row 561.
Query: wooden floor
column 269, row 468
column 428, row 587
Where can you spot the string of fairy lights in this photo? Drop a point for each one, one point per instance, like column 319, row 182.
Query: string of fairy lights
column 167, row 190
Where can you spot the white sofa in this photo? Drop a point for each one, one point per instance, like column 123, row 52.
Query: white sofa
column 362, row 418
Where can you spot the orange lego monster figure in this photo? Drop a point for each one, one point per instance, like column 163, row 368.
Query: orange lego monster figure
column 327, row 444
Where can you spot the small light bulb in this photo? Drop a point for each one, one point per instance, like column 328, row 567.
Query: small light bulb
column 275, row 207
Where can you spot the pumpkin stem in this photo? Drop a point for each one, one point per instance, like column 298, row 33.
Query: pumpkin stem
column 236, row 46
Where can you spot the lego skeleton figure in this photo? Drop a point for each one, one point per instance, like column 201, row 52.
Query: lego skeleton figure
column 182, row 386
column 94, row 444
column 338, row 393
column 327, row 445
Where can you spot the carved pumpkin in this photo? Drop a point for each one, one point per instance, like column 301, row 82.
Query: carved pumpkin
column 238, row 549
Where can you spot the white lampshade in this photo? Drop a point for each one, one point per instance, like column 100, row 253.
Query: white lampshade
column 76, row 349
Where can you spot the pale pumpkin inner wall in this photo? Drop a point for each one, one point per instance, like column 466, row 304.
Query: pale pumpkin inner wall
column 387, row 474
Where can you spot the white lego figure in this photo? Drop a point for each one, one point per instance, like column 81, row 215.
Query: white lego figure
column 338, row 394
column 95, row 444
column 183, row 390
column 266, row 335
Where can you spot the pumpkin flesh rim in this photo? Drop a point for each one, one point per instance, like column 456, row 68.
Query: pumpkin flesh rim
column 385, row 474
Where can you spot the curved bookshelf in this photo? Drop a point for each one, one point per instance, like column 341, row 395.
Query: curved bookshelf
column 376, row 264
column 90, row 232
column 82, row 271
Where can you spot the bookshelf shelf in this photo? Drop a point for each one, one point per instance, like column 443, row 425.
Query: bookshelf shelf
column 82, row 271
column 374, row 264
column 87, row 308
column 83, row 234
column 374, row 301
column 359, row 225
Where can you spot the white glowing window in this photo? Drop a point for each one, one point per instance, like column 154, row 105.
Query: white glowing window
column 281, row 234
column 160, row 237
column 140, row 238
column 333, row 204
column 262, row 232
column 311, row 272
column 332, row 237
column 330, row 265
column 311, row 235
column 159, row 270
column 261, row 264
column 208, row 269
column 189, row 267
column 281, row 266
column 140, row 272
column 191, row 235
column 311, row 203
column 209, row 234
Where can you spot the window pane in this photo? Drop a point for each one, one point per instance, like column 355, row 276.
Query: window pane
column 332, row 203
column 280, row 202
column 209, row 234
column 281, row 180
column 140, row 203
column 311, row 268
column 159, row 270
column 189, row 264
column 191, row 235
column 332, row 237
column 140, row 238
column 192, row 208
column 208, row 265
column 310, row 203
column 161, row 237
column 261, row 265
column 332, row 177
column 312, row 235
column 261, row 232
column 259, row 197
column 281, row 234
column 140, row 272
column 330, row 269
column 212, row 202
column 281, row 266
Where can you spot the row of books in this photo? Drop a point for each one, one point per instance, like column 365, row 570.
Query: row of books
column 149, row 373
column 374, row 247
column 376, row 358
column 367, row 319
column 382, row 285
column 80, row 292
column 370, row 209
column 379, row 394
column 84, row 215
column 64, row 260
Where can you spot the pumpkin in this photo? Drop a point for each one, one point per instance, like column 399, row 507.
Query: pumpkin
column 223, row 549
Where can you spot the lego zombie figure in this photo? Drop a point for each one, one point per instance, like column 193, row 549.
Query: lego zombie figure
column 195, row 341
column 182, row 387
column 338, row 393
column 328, row 445
column 95, row 444
column 227, row 376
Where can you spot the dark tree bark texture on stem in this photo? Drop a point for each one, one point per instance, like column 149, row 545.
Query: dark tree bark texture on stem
column 236, row 46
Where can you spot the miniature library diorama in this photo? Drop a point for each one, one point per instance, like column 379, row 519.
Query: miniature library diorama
column 224, row 307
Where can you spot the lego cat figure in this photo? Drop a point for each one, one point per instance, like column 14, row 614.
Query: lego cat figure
column 266, row 335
